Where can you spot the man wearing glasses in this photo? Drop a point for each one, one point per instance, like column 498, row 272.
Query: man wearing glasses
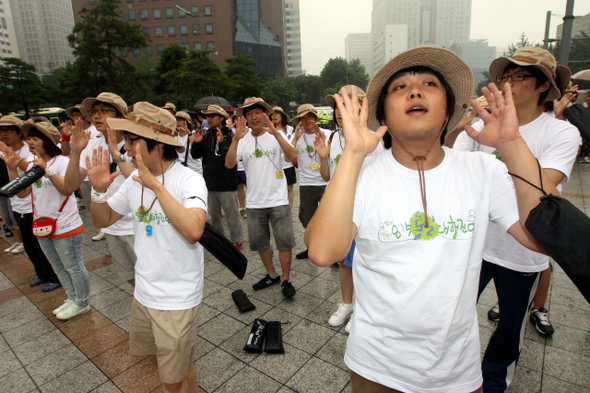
column 534, row 77
column 119, row 236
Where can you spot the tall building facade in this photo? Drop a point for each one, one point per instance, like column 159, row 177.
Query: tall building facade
column 478, row 55
column 227, row 27
column 581, row 24
column 426, row 22
column 358, row 46
column 292, row 38
column 41, row 29
column 8, row 42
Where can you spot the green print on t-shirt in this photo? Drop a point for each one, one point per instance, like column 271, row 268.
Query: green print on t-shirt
column 148, row 217
column 415, row 229
column 309, row 149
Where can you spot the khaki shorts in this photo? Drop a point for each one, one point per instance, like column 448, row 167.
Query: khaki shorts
column 170, row 335
column 122, row 254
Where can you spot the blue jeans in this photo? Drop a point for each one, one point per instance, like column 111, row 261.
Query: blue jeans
column 65, row 255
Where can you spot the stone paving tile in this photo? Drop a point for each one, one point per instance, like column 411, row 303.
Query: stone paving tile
column 51, row 367
column 281, row 367
column 319, row 376
column 17, row 382
column 102, row 340
column 215, row 368
column 249, row 380
column 116, row 360
column 30, row 331
column 83, row 378
column 143, row 377
column 41, row 346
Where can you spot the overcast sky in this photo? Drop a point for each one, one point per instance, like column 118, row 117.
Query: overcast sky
column 326, row 23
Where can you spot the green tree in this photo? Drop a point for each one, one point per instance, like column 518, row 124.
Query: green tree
column 522, row 41
column 21, row 87
column 96, row 40
column 338, row 72
column 144, row 80
column 168, row 69
column 242, row 80
column 281, row 91
column 484, row 83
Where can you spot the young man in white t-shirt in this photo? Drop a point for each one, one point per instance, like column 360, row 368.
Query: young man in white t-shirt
column 169, row 209
column 261, row 151
column 535, row 77
column 419, row 215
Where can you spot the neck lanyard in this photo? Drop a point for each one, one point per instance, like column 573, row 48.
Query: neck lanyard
column 309, row 149
column 259, row 152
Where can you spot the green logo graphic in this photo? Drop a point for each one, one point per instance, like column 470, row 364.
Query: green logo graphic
column 143, row 216
column 337, row 159
column 498, row 155
column 309, row 149
column 39, row 183
column 418, row 227
column 258, row 153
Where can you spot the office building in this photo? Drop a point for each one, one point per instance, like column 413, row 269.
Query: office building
column 292, row 37
column 358, row 46
column 8, row 42
column 478, row 55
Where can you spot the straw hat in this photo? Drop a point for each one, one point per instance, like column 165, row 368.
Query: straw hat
column 216, row 110
column 456, row 72
column 253, row 101
column 107, row 98
column 149, row 121
column 304, row 110
column 183, row 115
column 45, row 127
column 11, row 121
column 331, row 101
column 37, row 119
column 534, row 56
column 170, row 106
column 72, row 109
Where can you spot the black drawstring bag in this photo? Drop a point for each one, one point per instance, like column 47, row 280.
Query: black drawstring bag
column 221, row 248
column 564, row 232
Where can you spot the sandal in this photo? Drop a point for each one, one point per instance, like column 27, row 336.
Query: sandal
column 50, row 286
column 7, row 231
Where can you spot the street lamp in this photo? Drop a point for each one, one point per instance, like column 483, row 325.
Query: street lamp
column 183, row 10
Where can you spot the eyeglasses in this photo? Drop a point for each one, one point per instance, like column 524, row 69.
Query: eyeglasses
column 6, row 130
column 100, row 111
column 515, row 77
column 130, row 140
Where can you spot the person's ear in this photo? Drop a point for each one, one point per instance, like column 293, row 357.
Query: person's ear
column 545, row 86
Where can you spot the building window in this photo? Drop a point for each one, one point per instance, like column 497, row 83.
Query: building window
column 208, row 11
column 211, row 45
column 144, row 14
column 183, row 30
column 185, row 45
column 209, row 28
column 171, row 31
column 157, row 13
column 169, row 12
column 160, row 48
column 159, row 31
column 131, row 15
column 198, row 46
column 123, row 52
column 197, row 29
column 181, row 13
column 120, row 13
column 195, row 11
column 146, row 32
column 130, row 1
column 92, row 2
column 135, row 52
column 148, row 50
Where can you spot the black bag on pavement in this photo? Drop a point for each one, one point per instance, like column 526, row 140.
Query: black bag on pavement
column 221, row 248
column 564, row 232
column 241, row 300
column 256, row 337
column 274, row 338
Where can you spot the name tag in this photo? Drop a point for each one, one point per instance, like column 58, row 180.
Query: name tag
column 315, row 166
column 280, row 174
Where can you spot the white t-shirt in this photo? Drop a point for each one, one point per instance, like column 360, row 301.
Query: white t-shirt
column 337, row 147
column 22, row 205
column 169, row 270
column 309, row 160
column 262, row 158
column 125, row 225
column 288, row 134
column 94, row 133
column 48, row 200
column 415, row 322
column 555, row 144
column 192, row 163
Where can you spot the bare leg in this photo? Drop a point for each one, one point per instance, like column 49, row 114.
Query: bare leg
column 346, row 285
column 242, row 195
column 132, row 282
column 187, row 385
column 542, row 289
column 291, row 193
column 285, row 258
column 17, row 236
column 266, row 256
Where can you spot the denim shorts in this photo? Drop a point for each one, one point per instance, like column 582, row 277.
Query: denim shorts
column 279, row 218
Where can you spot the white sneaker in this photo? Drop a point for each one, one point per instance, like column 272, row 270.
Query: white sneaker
column 9, row 249
column 98, row 237
column 343, row 312
column 348, row 326
column 73, row 311
column 19, row 247
column 61, row 308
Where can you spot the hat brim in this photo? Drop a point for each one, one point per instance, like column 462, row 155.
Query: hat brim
column 240, row 111
column 145, row 132
column 226, row 116
column 498, row 66
column 456, row 72
column 28, row 126
column 296, row 118
column 70, row 110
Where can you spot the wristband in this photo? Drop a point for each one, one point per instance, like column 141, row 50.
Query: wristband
column 49, row 171
column 98, row 197
column 65, row 138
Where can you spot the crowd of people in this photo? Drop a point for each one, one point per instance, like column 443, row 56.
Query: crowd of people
column 416, row 228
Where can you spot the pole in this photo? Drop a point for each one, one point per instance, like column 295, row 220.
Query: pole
column 566, row 34
column 176, row 17
column 547, row 26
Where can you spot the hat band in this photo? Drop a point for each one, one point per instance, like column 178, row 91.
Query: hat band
column 155, row 126
column 535, row 61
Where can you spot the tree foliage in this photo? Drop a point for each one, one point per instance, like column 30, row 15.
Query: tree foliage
column 242, row 80
column 338, row 72
column 21, row 87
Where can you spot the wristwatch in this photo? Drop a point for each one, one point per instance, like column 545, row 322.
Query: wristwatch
column 118, row 160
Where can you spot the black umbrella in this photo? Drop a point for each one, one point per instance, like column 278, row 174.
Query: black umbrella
column 204, row 102
column 222, row 249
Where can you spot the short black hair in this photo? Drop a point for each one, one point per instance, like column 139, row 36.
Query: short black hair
column 48, row 145
column 380, row 111
column 259, row 106
column 540, row 77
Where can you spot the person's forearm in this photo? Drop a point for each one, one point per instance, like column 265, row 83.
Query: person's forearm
column 230, row 158
column 325, row 169
column 334, row 214
column 126, row 168
column 188, row 223
column 65, row 148
column 72, row 179
column 101, row 214
column 288, row 149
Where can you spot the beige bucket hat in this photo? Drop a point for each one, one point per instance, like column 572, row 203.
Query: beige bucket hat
column 304, row 110
column 215, row 110
column 11, row 121
column 456, row 72
column 107, row 98
column 253, row 101
column 170, row 106
column 149, row 121
column 183, row 115
column 45, row 127
column 535, row 56
column 331, row 100
column 72, row 109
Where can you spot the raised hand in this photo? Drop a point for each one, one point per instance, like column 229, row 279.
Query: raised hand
column 219, row 135
column 298, row 131
column 79, row 140
column 359, row 138
column 67, row 128
column 270, row 127
column 241, row 128
column 112, row 143
column 320, row 145
column 11, row 159
column 98, row 171
column 197, row 136
column 500, row 126
column 145, row 177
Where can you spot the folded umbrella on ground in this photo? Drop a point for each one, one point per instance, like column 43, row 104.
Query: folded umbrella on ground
column 221, row 248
